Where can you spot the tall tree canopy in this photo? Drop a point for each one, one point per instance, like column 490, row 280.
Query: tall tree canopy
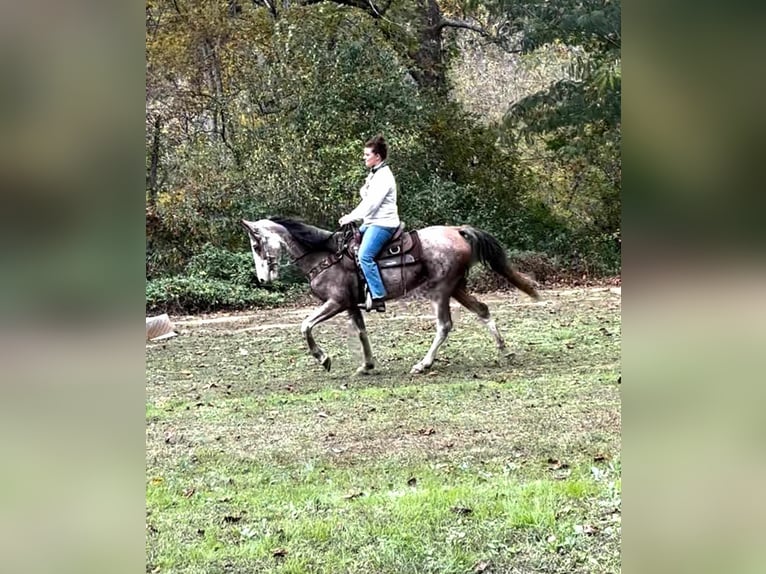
column 257, row 107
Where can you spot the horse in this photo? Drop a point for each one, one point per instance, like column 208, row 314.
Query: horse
column 437, row 266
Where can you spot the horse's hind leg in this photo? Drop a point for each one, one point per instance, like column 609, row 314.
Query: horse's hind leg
column 358, row 321
column 443, row 327
column 328, row 310
column 482, row 311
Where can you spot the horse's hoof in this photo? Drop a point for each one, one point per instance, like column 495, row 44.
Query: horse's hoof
column 418, row 369
column 326, row 363
column 364, row 370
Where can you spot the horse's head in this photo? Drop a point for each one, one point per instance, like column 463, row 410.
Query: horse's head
column 266, row 246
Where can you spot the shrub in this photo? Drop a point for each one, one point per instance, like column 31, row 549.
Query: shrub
column 195, row 294
column 216, row 263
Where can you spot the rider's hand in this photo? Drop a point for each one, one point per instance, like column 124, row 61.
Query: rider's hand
column 345, row 220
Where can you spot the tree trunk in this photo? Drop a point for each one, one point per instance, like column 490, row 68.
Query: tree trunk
column 154, row 162
column 430, row 71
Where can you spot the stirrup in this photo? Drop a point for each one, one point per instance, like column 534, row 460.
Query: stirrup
column 370, row 304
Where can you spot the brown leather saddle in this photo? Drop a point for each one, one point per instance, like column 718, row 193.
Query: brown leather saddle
column 402, row 249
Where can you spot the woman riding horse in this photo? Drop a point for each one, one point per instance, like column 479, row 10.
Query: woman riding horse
column 446, row 255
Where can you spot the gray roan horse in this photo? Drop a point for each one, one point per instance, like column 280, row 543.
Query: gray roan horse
column 435, row 260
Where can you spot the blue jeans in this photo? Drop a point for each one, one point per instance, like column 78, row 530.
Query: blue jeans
column 374, row 238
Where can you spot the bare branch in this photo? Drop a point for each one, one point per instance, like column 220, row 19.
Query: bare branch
column 479, row 29
column 367, row 5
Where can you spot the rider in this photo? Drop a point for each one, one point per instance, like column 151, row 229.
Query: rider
column 379, row 215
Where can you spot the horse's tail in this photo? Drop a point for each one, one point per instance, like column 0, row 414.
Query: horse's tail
column 488, row 250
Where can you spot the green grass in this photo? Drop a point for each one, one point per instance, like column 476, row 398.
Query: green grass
column 259, row 461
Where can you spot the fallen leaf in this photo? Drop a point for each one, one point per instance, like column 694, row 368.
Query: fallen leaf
column 189, row 492
column 231, row 519
column 586, row 529
column 279, row 553
column 482, row 566
column 353, row 495
column 462, row 510
column 554, row 464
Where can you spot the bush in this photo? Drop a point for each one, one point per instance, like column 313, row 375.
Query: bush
column 218, row 279
column 216, row 263
column 186, row 294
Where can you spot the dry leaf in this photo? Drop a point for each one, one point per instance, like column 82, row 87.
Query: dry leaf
column 462, row 510
column 587, row 529
column 279, row 553
column 231, row 519
column 353, row 495
column 482, row 566
column 554, row 464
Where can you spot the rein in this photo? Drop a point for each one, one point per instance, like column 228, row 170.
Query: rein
column 331, row 259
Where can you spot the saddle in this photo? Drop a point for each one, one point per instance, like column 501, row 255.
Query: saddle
column 402, row 249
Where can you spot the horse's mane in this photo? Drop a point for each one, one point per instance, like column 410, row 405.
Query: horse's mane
column 309, row 236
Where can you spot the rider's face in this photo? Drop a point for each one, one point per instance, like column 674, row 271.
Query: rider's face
column 371, row 159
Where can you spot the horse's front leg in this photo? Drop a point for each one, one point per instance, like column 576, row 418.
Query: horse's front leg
column 327, row 311
column 357, row 320
column 443, row 327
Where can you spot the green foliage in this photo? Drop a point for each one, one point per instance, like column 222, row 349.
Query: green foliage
column 216, row 263
column 190, row 294
column 571, row 131
column 255, row 112
column 217, row 279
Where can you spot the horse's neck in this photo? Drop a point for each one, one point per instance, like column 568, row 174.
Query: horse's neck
column 305, row 260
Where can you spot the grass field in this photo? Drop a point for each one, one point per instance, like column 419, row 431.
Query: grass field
column 260, row 461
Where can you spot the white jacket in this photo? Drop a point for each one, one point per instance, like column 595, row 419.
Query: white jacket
column 378, row 205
